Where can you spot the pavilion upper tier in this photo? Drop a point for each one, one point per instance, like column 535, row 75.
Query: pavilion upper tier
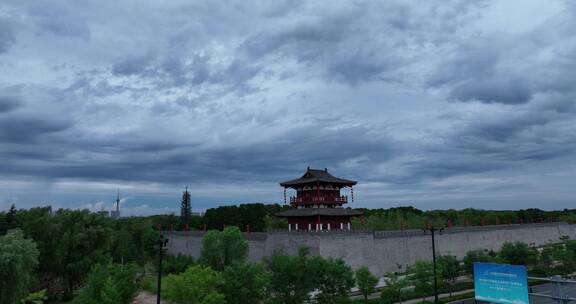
column 314, row 178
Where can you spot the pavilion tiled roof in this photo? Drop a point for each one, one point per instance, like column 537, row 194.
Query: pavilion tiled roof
column 313, row 175
column 319, row 211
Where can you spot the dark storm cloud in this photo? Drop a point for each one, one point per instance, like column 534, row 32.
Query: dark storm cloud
column 133, row 65
column 486, row 144
column 474, row 73
column 360, row 44
column 493, row 90
column 59, row 19
column 172, row 163
column 512, row 69
column 7, row 34
column 9, row 103
column 442, row 167
column 533, row 136
column 27, row 130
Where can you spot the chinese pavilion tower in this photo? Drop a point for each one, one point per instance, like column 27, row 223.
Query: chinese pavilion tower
column 318, row 204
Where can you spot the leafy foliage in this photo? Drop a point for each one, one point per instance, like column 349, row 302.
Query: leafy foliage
column 394, row 290
column 412, row 218
column 223, row 248
column 517, row 253
column 422, row 276
column 448, row 270
column 133, row 240
column 82, row 241
column 290, row 279
column 366, row 282
column 474, row 256
column 332, row 278
column 254, row 215
column 198, row 284
column 176, row 263
column 109, row 283
column 35, row 298
column 244, row 283
column 71, row 242
column 18, row 258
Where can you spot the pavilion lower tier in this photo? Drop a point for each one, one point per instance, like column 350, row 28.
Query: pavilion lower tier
column 319, row 218
column 318, row 223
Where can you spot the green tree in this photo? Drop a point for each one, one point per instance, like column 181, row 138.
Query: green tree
column 366, row 282
column 109, row 283
column 448, row 270
column 8, row 220
column 197, row 285
column 110, row 294
column 395, row 285
column 272, row 222
column 290, row 277
column 244, row 283
column 38, row 297
column 221, row 249
column 546, row 259
column 258, row 216
column 41, row 225
column 566, row 258
column 18, row 259
column 517, row 253
column 176, row 263
column 83, row 241
column 474, row 256
column 133, row 240
column 422, row 277
column 332, row 278
column 571, row 245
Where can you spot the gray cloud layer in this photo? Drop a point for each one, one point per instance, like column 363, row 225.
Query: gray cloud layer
column 408, row 97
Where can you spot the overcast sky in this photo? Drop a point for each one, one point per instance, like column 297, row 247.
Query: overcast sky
column 436, row 104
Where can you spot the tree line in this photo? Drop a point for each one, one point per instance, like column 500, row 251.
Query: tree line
column 413, row 218
column 64, row 245
column 260, row 217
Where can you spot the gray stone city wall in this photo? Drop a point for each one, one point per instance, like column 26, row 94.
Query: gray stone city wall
column 383, row 251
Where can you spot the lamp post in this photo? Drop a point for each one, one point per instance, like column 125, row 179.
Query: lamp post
column 161, row 242
column 433, row 232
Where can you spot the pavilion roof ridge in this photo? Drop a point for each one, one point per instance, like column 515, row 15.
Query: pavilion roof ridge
column 317, row 175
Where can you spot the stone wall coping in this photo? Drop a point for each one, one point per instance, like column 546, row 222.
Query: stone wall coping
column 380, row 234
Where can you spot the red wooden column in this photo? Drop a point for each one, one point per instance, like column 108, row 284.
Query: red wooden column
column 318, row 193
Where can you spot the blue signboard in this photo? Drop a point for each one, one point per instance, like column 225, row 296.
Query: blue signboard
column 500, row 283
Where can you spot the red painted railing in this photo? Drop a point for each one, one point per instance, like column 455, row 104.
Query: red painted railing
column 321, row 199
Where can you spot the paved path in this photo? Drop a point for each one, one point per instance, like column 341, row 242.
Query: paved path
column 417, row 300
column 145, row 297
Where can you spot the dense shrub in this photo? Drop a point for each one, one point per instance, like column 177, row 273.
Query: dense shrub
column 198, row 284
column 176, row 263
column 244, row 283
column 109, row 283
column 223, row 248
